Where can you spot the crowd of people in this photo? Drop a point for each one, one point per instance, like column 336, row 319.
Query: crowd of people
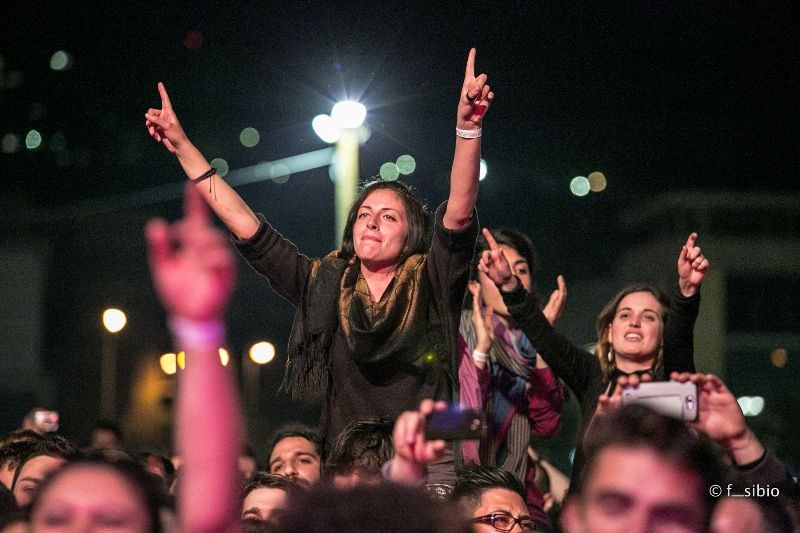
column 413, row 316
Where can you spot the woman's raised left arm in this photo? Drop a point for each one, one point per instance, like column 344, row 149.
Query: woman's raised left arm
column 474, row 101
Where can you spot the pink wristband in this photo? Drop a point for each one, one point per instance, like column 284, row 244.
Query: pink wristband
column 188, row 333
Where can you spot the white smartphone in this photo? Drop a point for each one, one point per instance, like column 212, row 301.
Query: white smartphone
column 669, row 398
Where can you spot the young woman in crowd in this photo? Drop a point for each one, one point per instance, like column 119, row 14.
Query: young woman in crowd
column 501, row 374
column 376, row 322
column 639, row 332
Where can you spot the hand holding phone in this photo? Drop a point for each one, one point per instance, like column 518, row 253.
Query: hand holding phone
column 455, row 423
column 669, row 398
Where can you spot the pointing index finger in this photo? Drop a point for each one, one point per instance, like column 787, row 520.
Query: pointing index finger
column 490, row 239
column 470, row 72
column 690, row 241
column 165, row 102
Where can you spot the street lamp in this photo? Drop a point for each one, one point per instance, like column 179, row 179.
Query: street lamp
column 114, row 321
column 260, row 353
column 341, row 127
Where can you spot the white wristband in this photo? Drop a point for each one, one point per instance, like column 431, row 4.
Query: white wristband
column 188, row 333
column 479, row 357
column 469, row 134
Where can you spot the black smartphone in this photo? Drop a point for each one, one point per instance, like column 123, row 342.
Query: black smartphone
column 669, row 398
column 455, row 423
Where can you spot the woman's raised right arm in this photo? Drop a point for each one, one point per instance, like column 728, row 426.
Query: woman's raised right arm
column 164, row 126
column 577, row 367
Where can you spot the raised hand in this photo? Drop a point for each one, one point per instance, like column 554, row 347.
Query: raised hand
column 412, row 452
column 609, row 403
column 481, row 320
column 191, row 262
column 692, row 267
column 558, row 299
column 720, row 418
column 494, row 264
column 476, row 96
column 163, row 125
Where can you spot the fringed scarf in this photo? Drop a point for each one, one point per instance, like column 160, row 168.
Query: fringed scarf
column 513, row 359
column 380, row 335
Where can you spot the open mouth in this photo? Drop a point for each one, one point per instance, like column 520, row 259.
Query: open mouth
column 633, row 337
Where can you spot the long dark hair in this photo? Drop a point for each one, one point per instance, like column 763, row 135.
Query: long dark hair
column 419, row 220
column 606, row 316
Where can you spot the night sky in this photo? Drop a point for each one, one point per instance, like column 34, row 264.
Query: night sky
column 659, row 96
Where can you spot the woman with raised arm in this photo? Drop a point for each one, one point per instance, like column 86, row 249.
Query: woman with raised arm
column 639, row 332
column 376, row 322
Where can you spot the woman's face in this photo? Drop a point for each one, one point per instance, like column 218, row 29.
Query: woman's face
column 90, row 499
column 381, row 228
column 636, row 330
column 491, row 294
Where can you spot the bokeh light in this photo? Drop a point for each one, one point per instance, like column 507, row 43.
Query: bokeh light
column 262, row 352
column 181, row 359
column 483, row 170
column 406, row 164
column 389, row 171
column 579, row 186
column 751, row 405
column 364, row 132
column 114, row 320
column 279, row 173
column 221, row 165
column 779, row 357
column 168, row 363
column 38, row 111
column 193, row 40
column 33, row 140
column 10, row 143
column 326, row 129
column 58, row 142
column 348, row 114
column 224, row 356
column 13, row 79
column 597, row 181
column 249, row 137
column 60, row 61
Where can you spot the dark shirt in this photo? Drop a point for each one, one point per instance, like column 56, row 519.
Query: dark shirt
column 581, row 369
column 357, row 392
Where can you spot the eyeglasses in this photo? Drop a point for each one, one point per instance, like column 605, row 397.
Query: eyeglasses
column 505, row 522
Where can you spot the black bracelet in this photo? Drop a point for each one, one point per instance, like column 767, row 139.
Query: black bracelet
column 207, row 174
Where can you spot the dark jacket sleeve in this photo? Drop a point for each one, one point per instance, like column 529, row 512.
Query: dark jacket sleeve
column 679, row 333
column 768, row 470
column 449, row 259
column 577, row 367
column 275, row 258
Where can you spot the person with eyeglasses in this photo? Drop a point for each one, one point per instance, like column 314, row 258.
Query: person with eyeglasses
column 493, row 500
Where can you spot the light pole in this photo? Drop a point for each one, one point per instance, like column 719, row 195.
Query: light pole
column 259, row 354
column 341, row 127
column 113, row 321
